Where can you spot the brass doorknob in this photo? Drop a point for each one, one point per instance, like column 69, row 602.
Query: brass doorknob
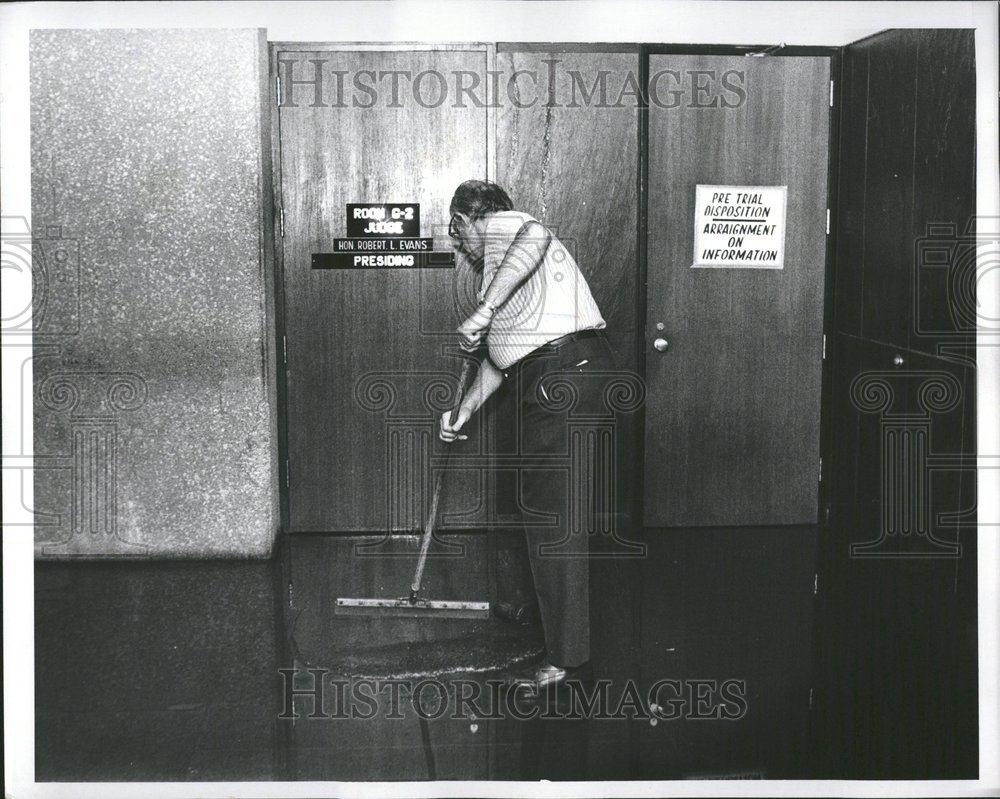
column 660, row 345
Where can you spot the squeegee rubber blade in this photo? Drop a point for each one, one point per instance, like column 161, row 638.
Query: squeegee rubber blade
column 406, row 609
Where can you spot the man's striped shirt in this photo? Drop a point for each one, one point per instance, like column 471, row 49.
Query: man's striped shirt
column 553, row 302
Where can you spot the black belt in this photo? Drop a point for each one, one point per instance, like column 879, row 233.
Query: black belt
column 552, row 346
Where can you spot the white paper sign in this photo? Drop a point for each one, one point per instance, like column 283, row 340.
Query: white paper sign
column 739, row 227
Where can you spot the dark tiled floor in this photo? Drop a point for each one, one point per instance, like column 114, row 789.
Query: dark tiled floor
column 156, row 671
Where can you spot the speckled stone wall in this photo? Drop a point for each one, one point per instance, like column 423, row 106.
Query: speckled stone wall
column 155, row 431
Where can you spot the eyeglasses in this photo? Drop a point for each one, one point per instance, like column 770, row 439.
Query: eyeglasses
column 453, row 226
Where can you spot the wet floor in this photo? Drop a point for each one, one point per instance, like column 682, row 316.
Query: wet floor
column 237, row 670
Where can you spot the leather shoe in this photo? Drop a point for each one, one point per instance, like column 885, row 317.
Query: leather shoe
column 548, row 676
column 551, row 676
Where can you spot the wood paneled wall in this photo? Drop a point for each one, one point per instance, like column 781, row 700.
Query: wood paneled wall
column 573, row 167
column 897, row 696
column 573, row 162
column 907, row 185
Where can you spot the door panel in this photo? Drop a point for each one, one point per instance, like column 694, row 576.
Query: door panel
column 944, row 189
column 733, row 405
column 370, row 353
column 572, row 165
column 887, row 287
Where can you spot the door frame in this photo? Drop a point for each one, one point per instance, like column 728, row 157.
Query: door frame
column 272, row 211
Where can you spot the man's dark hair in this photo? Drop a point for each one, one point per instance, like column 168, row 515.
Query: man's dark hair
column 476, row 198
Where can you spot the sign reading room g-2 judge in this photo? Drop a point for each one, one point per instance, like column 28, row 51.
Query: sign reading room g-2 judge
column 374, row 220
column 739, row 227
column 382, row 236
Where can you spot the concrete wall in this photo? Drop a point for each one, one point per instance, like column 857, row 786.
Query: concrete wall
column 154, row 422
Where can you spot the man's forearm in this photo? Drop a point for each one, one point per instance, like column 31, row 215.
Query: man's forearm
column 488, row 380
column 523, row 257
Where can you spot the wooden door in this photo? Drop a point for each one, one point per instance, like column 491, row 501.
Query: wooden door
column 733, row 402
column 370, row 353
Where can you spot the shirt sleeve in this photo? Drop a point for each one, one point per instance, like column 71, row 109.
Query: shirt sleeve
column 500, row 234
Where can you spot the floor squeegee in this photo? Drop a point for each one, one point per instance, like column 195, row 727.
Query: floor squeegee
column 414, row 604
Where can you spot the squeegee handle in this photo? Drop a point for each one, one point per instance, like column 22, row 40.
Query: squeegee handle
column 425, row 542
column 463, row 378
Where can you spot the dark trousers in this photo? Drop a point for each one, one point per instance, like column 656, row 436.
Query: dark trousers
column 552, row 387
